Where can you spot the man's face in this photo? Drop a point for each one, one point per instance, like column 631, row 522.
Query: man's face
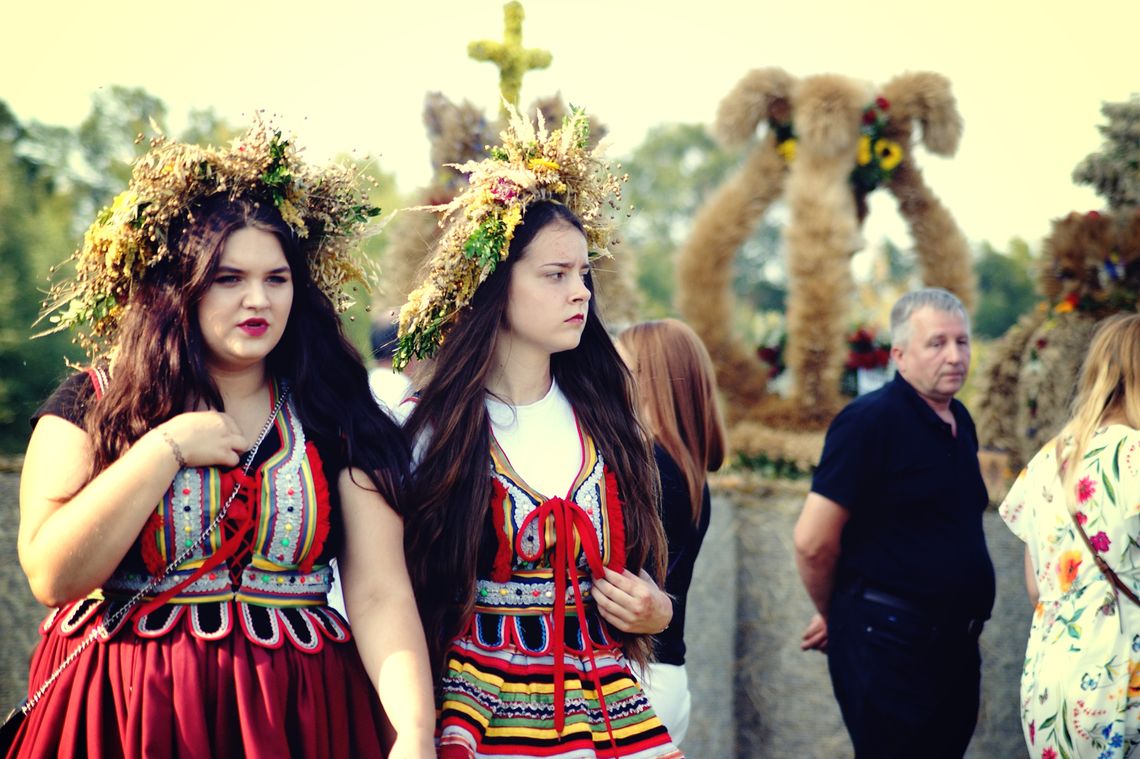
column 937, row 357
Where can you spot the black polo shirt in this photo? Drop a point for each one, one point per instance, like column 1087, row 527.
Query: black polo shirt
column 915, row 495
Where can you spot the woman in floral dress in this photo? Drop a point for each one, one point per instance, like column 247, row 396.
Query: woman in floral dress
column 1080, row 687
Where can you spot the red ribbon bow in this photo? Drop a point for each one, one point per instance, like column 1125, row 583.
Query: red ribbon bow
column 571, row 525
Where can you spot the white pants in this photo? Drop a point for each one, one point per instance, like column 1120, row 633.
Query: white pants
column 667, row 686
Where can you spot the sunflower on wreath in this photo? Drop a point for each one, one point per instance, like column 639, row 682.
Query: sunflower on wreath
column 876, row 157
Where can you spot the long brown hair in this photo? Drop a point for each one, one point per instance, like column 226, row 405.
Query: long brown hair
column 677, row 395
column 159, row 365
column 1108, row 390
column 449, row 537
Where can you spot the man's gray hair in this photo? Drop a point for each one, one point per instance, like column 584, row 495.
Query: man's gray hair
column 933, row 297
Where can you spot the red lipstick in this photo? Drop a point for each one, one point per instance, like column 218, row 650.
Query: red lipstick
column 254, row 327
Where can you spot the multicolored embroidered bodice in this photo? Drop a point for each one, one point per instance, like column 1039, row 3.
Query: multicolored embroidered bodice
column 541, row 539
column 547, row 551
column 259, row 566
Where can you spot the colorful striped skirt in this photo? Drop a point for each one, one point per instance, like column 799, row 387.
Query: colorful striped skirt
column 499, row 689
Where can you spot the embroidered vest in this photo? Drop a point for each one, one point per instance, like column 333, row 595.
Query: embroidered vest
column 537, row 598
column 528, row 536
column 273, row 532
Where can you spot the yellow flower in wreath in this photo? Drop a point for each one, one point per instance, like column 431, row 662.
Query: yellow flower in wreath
column 543, row 163
column 863, row 157
column 511, row 219
column 787, row 149
column 1068, row 304
column 889, row 154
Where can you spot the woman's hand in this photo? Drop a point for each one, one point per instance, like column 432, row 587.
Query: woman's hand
column 74, row 530
column 632, row 603
column 203, row 438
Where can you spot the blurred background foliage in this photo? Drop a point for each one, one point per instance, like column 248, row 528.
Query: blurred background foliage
column 54, row 179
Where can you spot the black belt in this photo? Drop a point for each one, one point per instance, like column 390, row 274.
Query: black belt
column 939, row 625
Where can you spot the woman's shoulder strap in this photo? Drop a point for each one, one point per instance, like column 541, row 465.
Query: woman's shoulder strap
column 99, row 380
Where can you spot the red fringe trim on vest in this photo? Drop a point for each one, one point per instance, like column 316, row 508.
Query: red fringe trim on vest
column 501, row 568
column 152, row 532
column 321, row 493
column 616, row 523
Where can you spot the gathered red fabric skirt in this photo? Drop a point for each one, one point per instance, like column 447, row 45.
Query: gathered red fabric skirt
column 185, row 697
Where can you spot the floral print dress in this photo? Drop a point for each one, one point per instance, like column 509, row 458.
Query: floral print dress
column 1080, row 686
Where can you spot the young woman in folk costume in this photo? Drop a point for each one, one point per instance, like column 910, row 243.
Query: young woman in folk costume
column 532, row 528
column 677, row 396
column 225, row 392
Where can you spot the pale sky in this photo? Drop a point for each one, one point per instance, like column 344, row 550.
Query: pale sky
column 348, row 75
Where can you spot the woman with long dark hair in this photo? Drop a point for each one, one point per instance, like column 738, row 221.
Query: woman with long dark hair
column 532, row 530
column 224, row 391
column 677, row 398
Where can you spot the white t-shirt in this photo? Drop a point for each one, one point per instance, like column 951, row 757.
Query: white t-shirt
column 389, row 388
column 540, row 439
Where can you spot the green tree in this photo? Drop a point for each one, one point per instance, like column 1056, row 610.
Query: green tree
column 204, row 127
column 1114, row 171
column 35, row 234
column 671, row 174
column 112, row 136
column 385, row 195
column 1005, row 288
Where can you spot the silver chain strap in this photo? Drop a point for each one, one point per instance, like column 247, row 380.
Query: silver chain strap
column 155, row 581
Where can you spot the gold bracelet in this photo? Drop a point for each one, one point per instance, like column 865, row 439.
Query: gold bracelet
column 174, row 448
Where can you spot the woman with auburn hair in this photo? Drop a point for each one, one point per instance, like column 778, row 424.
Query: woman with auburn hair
column 181, row 500
column 677, row 395
column 1077, row 507
column 532, row 530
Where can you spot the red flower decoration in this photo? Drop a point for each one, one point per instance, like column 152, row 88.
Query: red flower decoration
column 869, row 116
column 505, row 191
column 1082, row 518
column 1086, row 488
column 1094, row 215
column 1048, row 753
column 882, row 102
column 1100, row 542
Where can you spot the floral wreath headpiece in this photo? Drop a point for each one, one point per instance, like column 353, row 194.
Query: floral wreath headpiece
column 325, row 207
column 530, row 165
column 876, row 157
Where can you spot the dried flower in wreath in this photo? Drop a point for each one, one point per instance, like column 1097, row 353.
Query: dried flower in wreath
column 326, row 207
column 478, row 225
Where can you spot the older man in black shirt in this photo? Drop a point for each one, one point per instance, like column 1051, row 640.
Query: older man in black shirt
column 891, row 550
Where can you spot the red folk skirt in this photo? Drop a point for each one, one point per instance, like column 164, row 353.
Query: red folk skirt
column 183, row 696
